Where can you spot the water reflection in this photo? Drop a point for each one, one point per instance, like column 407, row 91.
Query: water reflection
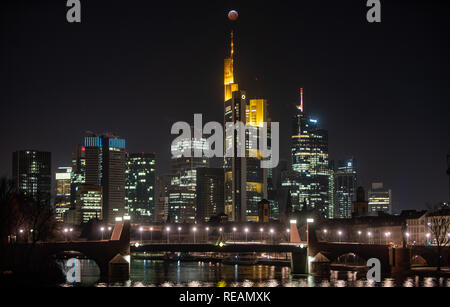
column 151, row 273
column 89, row 271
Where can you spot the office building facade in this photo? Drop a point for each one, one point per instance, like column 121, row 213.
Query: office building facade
column 245, row 180
column 345, row 188
column 183, row 182
column 210, row 193
column 140, row 186
column 310, row 161
column 62, row 193
column 32, row 175
column 101, row 162
column 88, row 203
column 380, row 198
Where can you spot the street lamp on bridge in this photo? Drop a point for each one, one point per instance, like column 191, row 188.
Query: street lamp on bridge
column 179, row 229
column 325, row 232
column 387, row 234
column 194, row 230
column 308, row 221
column 246, row 232
column 261, row 233
column 102, row 229
column 168, row 234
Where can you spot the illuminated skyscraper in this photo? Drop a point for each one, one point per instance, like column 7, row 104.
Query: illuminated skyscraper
column 345, row 188
column 310, row 161
column 183, row 185
column 229, row 82
column 100, row 162
column 210, row 193
column 162, row 198
column 63, row 191
column 78, row 176
column 140, row 186
column 88, row 203
column 380, row 198
column 245, row 180
column 31, row 173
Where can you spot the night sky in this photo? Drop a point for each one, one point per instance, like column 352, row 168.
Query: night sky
column 136, row 67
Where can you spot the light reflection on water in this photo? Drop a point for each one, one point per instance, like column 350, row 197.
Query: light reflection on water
column 151, row 273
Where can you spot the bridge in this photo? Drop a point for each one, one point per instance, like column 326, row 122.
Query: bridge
column 392, row 259
column 333, row 250
column 36, row 257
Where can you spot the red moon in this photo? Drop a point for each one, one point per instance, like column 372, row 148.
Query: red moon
column 233, row 15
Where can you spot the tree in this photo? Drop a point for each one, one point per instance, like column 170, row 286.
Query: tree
column 439, row 225
column 25, row 218
column 11, row 217
column 34, row 216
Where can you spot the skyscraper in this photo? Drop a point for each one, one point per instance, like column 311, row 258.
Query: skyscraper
column 140, row 185
column 345, row 188
column 63, row 191
column 245, row 180
column 310, row 161
column 162, row 198
column 100, row 162
column 78, row 176
column 182, row 188
column 88, row 203
column 31, row 173
column 210, row 193
column 380, row 198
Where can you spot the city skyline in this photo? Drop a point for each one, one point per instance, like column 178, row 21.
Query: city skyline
column 389, row 145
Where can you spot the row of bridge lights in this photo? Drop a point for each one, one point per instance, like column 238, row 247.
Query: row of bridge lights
column 195, row 229
column 369, row 234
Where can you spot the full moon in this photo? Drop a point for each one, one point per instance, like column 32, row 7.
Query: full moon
column 233, row 15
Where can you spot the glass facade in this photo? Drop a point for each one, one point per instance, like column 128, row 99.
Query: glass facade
column 345, row 188
column 140, row 186
column 101, row 162
column 32, row 173
column 380, row 198
column 210, row 193
column 310, row 161
column 245, row 180
column 63, row 191
column 88, row 203
column 183, row 183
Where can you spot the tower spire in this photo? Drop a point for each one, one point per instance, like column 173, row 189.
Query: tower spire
column 300, row 107
column 230, row 85
column 232, row 45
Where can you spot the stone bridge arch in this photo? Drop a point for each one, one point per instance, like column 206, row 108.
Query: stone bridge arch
column 365, row 251
column 35, row 257
column 430, row 255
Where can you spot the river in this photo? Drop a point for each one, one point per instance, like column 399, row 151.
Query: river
column 151, row 273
